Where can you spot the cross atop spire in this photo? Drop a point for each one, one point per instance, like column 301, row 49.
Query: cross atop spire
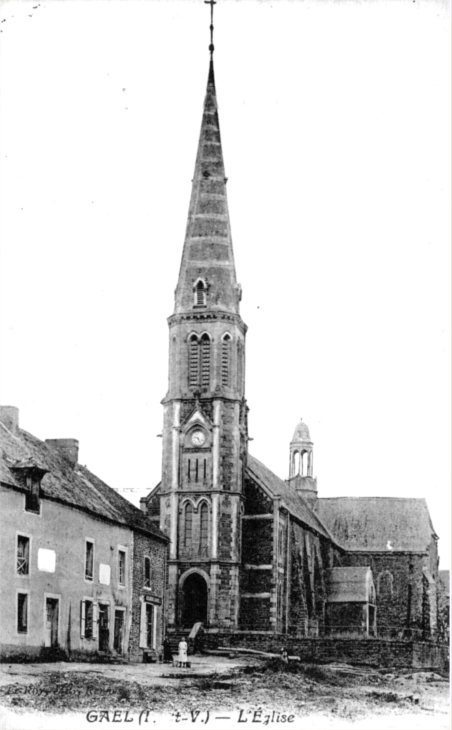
column 211, row 3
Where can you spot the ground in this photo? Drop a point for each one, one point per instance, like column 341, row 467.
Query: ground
column 221, row 692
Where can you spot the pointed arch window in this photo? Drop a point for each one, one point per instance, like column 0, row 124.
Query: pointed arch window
column 203, row 529
column 205, row 360
column 200, row 292
column 193, row 361
column 188, row 524
column 225, row 360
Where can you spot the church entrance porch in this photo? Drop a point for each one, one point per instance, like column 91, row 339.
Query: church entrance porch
column 193, row 600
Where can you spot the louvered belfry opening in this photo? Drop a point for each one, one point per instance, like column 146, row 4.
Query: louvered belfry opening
column 199, row 355
column 200, row 295
column 193, row 365
column 205, row 361
column 225, row 359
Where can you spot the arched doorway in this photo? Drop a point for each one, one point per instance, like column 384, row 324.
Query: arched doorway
column 194, row 600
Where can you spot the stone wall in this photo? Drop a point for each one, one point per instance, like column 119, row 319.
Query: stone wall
column 370, row 652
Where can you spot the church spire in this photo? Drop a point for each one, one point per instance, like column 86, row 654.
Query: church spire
column 207, row 277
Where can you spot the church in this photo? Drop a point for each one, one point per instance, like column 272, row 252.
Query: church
column 251, row 552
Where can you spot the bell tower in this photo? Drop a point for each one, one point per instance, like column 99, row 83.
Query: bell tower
column 205, row 412
column 301, row 465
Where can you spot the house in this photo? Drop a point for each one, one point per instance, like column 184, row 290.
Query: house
column 82, row 568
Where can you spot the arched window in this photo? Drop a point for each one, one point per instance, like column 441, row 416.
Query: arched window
column 296, row 463
column 384, row 584
column 188, row 524
column 205, row 360
column 193, row 361
column 304, row 463
column 203, row 529
column 200, row 290
column 225, row 359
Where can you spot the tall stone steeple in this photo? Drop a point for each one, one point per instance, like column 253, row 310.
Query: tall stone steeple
column 208, row 253
column 205, row 413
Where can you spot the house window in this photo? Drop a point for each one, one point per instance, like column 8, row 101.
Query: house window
column 89, row 560
column 22, row 613
column 147, row 572
column 88, row 615
column 32, row 495
column 23, row 555
column 225, row 359
column 122, row 567
column 188, row 524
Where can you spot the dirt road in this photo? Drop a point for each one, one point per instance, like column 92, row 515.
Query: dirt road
column 220, row 692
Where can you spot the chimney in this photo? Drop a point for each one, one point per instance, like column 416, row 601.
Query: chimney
column 9, row 416
column 67, row 448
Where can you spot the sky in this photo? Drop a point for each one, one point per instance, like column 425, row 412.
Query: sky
column 335, row 120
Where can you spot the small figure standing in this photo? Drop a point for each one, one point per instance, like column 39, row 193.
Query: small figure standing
column 284, row 656
column 167, row 653
column 183, row 648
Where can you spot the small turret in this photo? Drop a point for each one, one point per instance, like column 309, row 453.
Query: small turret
column 301, row 465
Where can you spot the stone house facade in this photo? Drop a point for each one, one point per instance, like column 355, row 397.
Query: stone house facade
column 82, row 569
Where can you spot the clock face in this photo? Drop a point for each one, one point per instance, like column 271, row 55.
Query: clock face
column 198, row 438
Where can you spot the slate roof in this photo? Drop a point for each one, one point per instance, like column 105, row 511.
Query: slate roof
column 348, row 585
column 207, row 248
column 289, row 497
column 76, row 487
column 378, row 523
